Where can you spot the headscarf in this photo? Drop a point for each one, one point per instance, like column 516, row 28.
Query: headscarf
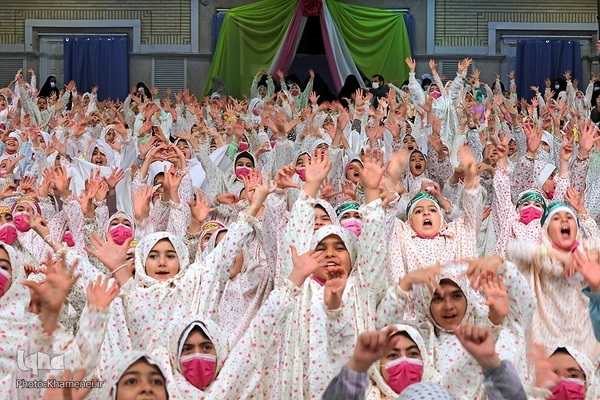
column 31, row 201
column 347, row 237
column 329, row 210
column 346, row 207
column 103, row 148
column 245, row 154
column 157, row 167
column 429, row 372
column 455, row 273
column 417, row 198
column 532, row 195
column 145, row 246
column 555, row 207
column 120, row 214
column 545, row 174
column 119, row 364
column 178, row 333
column 591, row 379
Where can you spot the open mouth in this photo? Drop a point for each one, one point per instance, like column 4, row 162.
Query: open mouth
column 418, row 166
column 427, row 223
column 356, row 175
column 331, row 265
column 449, row 317
column 565, row 232
column 410, row 147
column 162, row 273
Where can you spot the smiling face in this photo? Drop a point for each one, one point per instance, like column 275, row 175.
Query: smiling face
column 184, row 147
column 353, row 174
column 449, row 309
column 405, row 348
column 162, row 262
column 336, row 255
column 425, row 219
column 12, row 145
column 42, row 104
column 98, row 158
column 562, row 229
column 3, row 102
column 142, row 380
column 417, row 163
column 321, row 218
column 110, row 136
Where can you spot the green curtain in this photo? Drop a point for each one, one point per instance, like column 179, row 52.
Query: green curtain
column 376, row 39
column 249, row 39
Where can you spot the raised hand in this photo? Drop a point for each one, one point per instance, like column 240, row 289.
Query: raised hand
column 115, row 177
column 411, row 64
column 427, row 277
column 327, row 190
column 479, row 342
column 334, row 287
column 283, row 177
column 141, row 202
column 576, row 200
column 587, row 138
column 112, row 255
column 305, row 265
column 372, row 346
column 496, row 296
column 100, row 295
column 317, row 168
column 467, row 161
column 587, row 266
column 373, row 169
column 478, row 266
column 68, row 392
column 199, row 207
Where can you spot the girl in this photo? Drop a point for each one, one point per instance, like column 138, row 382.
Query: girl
column 547, row 267
column 407, row 363
column 426, row 238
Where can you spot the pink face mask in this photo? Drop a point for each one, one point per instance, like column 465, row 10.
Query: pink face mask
column 243, row 146
column 68, row 239
column 403, row 372
column 4, row 278
column 273, row 143
column 436, row 95
column 199, row 369
column 120, row 233
column 569, row 389
column 295, row 92
column 301, row 173
column 21, row 220
column 8, row 234
column 529, row 213
column 549, row 194
column 241, row 171
column 354, row 225
column 3, row 174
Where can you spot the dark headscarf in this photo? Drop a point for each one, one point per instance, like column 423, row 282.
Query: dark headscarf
column 47, row 89
column 350, row 86
column 147, row 93
column 322, row 90
column 562, row 83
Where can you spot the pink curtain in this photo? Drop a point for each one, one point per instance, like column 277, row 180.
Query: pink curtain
column 287, row 51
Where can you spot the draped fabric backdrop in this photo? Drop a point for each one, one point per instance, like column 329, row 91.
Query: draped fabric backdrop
column 249, row 39
column 541, row 59
column 101, row 61
column 376, row 39
column 266, row 34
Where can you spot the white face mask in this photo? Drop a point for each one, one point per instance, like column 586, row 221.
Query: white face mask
column 375, row 85
column 557, row 86
column 140, row 89
column 52, row 85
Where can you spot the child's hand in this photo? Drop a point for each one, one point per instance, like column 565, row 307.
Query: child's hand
column 305, row 265
column 496, row 295
column 334, row 287
column 479, row 342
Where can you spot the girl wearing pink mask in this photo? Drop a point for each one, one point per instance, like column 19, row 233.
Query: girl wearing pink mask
column 349, row 217
column 575, row 378
column 407, row 363
column 439, row 299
